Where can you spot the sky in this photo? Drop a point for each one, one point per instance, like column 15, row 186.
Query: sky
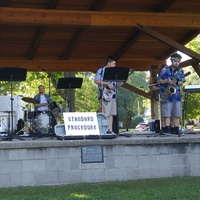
column 184, row 57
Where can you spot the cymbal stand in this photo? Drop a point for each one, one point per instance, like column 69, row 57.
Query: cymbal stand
column 28, row 121
column 11, row 134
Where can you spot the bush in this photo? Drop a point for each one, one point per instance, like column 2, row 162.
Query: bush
column 137, row 120
column 189, row 122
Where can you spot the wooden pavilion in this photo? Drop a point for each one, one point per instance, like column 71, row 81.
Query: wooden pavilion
column 70, row 36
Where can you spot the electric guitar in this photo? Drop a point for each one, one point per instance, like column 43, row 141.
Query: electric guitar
column 107, row 93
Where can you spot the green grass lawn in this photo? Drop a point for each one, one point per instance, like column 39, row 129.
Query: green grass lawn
column 180, row 188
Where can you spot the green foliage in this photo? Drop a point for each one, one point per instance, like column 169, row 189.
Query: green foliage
column 137, row 120
column 194, row 44
column 192, row 108
column 129, row 100
column 193, row 100
column 29, row 87
column 86, row 97
column 33, row 80
column 189, row 122
column 7, row 86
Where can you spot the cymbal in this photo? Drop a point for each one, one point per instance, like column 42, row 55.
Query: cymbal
column 59, row 93
column 30, row 100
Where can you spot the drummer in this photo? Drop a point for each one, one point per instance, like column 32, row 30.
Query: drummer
column 44, row 100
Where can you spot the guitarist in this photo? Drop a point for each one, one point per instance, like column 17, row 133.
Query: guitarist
column 172, row 106
column 108, row 105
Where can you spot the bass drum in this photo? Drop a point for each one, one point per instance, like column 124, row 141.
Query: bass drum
column 44, row 123
column 103, row 123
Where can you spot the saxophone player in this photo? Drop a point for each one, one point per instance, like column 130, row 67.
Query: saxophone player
column 171, row 79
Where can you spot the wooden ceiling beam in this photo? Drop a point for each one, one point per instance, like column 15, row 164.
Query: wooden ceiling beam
column 165, row 5
column 5, row 3
column 98, row 5
column 188, row 63
column 168, row 41
column 52, row 4
column 184, row 40
column 136, row 90
column 193, row 63
column 196, row 67
column 36, row 42
column 128, row 44
column 42, row 17
column 76, row 65
column 80, row 32
column 73, row 44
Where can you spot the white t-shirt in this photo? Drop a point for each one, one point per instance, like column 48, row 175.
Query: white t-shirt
column 43, row 100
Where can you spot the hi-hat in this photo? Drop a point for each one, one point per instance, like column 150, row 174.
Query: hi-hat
column 30, row 100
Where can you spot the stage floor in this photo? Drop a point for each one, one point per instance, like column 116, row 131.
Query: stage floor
column 131, row 135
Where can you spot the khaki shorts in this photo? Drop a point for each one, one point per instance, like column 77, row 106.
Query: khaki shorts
column 110, row 108
column 171, row 109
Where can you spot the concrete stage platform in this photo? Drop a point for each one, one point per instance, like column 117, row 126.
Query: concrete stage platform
column 129, row 156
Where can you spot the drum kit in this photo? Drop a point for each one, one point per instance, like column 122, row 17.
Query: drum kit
column 40, row 123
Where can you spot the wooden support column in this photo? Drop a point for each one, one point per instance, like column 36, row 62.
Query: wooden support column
column 154, row 103
column 67, row 75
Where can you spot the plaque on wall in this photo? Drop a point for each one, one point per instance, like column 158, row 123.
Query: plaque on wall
column 92, row 154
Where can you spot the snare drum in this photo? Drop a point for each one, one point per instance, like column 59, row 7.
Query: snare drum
column 54, row 109
column 44, row 122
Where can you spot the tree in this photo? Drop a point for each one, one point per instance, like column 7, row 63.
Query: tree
column 86, row 97
column 194, row 99
column 128, row 101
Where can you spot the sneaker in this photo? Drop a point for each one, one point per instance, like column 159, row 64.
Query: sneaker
column 110, row 132
column 167, row 130
column 173, row 131
column 177, row 131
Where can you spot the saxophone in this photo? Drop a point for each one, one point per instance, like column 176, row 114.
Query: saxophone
column 170, row 89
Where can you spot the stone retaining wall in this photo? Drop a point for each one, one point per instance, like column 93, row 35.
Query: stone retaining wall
column 54, row 162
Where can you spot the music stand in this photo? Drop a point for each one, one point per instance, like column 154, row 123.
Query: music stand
column 12, row 74
column 117, row 74
column 69, row 83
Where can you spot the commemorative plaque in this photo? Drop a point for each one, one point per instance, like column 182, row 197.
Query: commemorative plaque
column 92, row 154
